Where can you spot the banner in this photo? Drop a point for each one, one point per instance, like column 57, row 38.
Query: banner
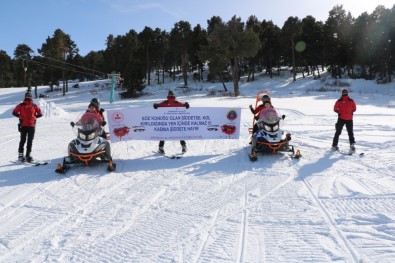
column 174, row 123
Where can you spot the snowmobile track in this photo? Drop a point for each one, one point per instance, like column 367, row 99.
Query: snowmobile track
column 341, row 238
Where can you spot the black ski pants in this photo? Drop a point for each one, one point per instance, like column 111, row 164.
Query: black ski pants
column 339, row 127
column 26, row 133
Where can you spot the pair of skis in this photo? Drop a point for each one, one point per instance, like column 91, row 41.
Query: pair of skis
column 349, row 153
column 171, row 156
column 34, row 163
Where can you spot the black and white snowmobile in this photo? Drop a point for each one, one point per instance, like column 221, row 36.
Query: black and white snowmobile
column 89, row 147
column 269, row 138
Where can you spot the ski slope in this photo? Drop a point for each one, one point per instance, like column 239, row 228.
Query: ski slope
column 212, row 205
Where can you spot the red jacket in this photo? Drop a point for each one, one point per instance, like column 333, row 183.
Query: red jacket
column 96, row 113
column 27, row 112
column 171, row 102
column 345, row 107
column 259, row 108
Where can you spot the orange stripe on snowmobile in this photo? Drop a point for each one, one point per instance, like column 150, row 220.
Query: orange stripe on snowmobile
column 273, row 146
column 85, row 158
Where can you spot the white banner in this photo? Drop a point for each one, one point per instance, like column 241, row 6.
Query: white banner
column 174, row 123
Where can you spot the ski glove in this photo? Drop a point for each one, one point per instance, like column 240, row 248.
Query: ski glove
column 283, row 117
column 72, row 124
column 252, row 109
column 256, row 118
column 155, row 105
column 103, row 123
column 186, row 105
column 102, row 110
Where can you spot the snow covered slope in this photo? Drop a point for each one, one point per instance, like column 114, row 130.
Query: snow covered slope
column 212, row 205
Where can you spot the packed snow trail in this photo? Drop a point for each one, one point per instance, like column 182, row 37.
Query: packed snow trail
column 212, row 205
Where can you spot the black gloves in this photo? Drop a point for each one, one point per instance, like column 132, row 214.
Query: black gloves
column 155, row 105
column 283, row 117
column 16, row 114
column 102, row 110
column 186, row 105
column 256, row 118
column 103, row 123
column 252, row 109
column 72, row 124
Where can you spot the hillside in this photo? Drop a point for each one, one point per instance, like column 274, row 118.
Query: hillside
column 212, row 205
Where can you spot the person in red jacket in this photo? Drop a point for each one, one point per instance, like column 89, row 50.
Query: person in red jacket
column 27, row 112
column 171, row 102
column 88, row 114
column 345, row 108
column 266, row 103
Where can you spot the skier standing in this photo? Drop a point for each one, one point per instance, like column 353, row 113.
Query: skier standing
column 345, row 108
column 171, row 102
column 27, row 112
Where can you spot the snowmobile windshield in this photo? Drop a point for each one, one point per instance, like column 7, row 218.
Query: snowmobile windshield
column 88, row 126
column 269, row 120
column 90, row 121
column 269, row 116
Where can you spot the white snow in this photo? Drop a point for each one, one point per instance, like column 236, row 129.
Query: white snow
column 212, row 205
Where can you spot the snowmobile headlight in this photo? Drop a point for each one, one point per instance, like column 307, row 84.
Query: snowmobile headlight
column 81, row 136
column 91, row 136
column 275, row 127
column 268, row 128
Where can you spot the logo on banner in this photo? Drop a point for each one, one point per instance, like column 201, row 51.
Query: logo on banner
column 232, row 115
column 117, row 116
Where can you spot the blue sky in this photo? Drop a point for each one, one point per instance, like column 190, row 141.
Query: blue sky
column 89, row 22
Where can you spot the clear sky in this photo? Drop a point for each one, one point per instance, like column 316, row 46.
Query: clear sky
column 89, row 22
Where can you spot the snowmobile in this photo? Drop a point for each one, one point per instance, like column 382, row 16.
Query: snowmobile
column 89, row 147
column 269, row 138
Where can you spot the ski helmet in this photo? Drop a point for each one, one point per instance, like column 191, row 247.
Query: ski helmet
column 265, row 98
column 96, row 102
column 171, row 94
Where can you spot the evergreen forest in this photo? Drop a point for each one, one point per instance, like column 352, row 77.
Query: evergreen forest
column 224, row 51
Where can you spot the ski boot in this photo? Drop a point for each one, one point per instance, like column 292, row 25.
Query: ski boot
column 352, row 147
column 334, row 148
column 161, row 150
column 20, row 157
column 29, row 159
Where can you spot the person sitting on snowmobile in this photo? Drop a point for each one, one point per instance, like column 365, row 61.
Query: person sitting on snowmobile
column 266, row 103
column 92, row 110
column 96, row 103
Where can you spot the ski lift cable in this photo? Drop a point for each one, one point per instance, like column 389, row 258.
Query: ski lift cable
column 67, row 69
column 64, row 62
